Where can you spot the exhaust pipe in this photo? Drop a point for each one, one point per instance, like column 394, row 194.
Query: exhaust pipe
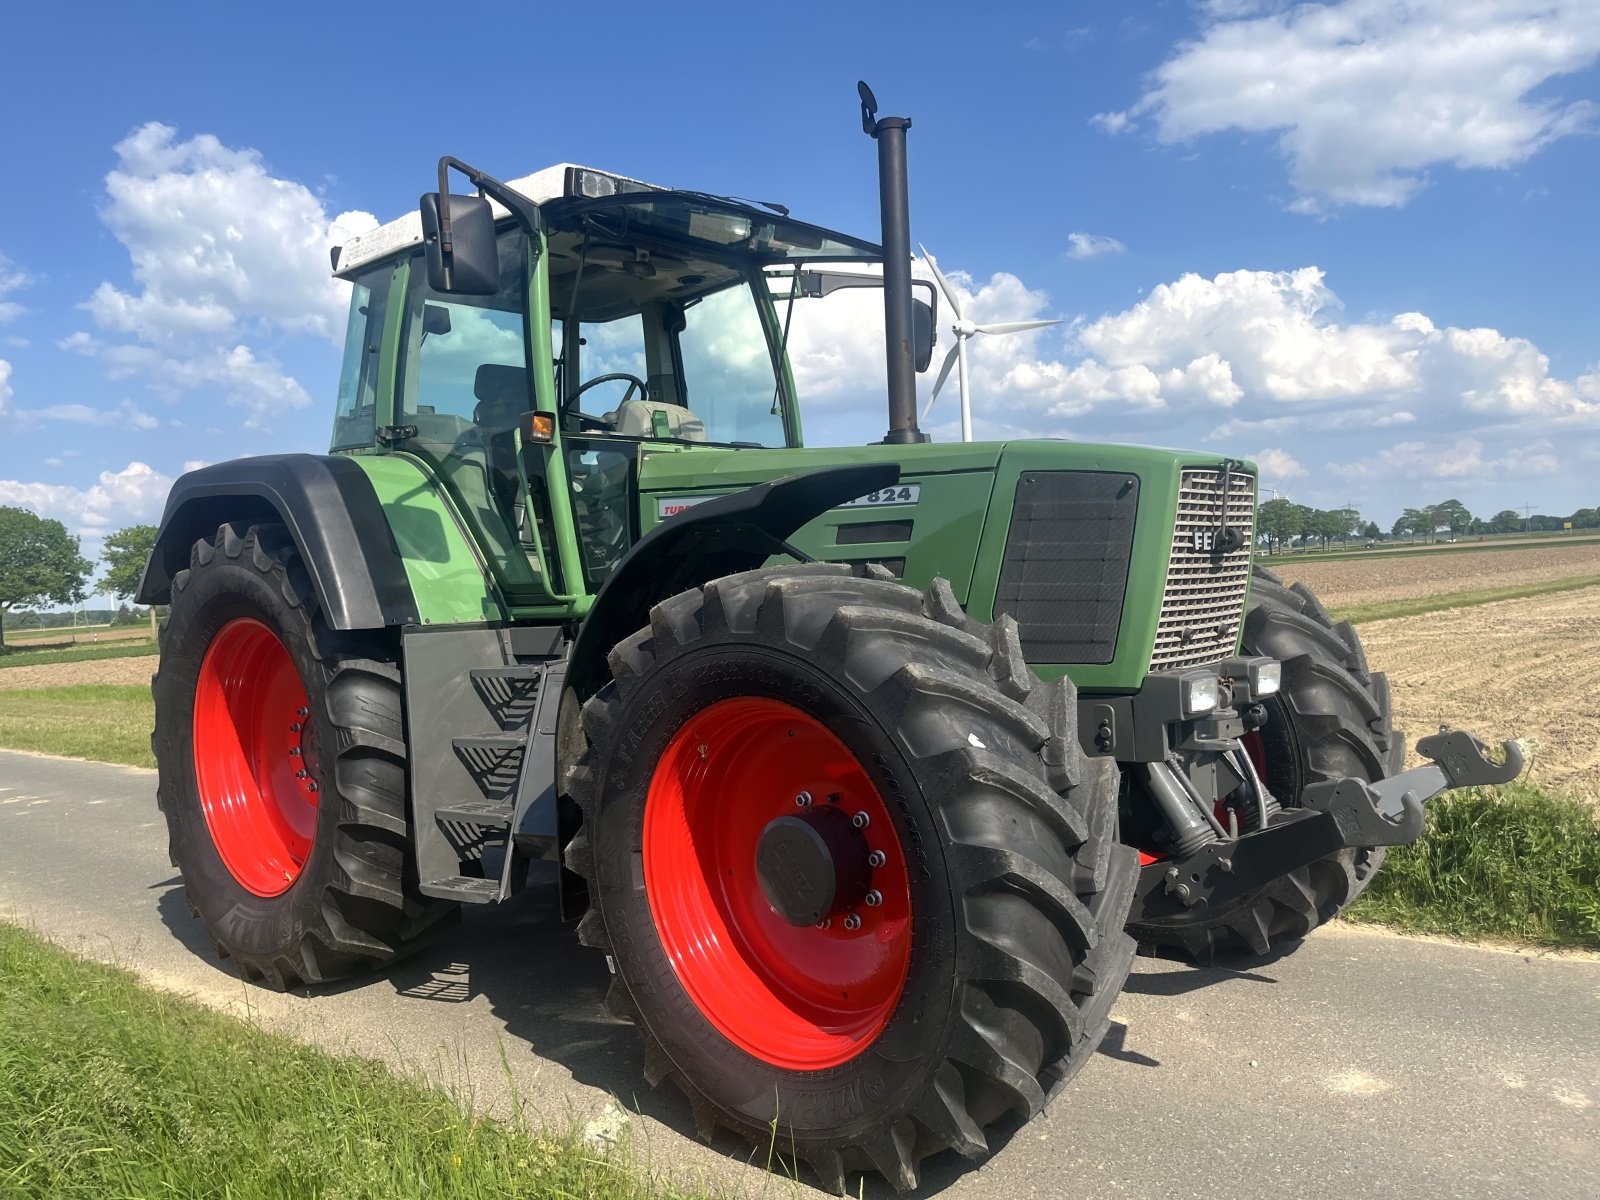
column 895, row 204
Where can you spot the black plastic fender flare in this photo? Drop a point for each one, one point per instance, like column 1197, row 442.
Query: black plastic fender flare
column 716, row 537
column 331, row 511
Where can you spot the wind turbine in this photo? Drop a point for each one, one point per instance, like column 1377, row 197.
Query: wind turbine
column 965, row 329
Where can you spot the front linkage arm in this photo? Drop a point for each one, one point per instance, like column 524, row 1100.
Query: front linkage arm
column 1332, row 816
column 1389, row 812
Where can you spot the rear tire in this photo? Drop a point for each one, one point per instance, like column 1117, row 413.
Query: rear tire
column 1001, row 847
column 1331, row 720
column 297, row 878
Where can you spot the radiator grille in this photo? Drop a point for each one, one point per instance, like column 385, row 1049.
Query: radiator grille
column 1203, row 603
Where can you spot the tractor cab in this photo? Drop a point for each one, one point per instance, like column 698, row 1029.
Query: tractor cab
column 627, row 315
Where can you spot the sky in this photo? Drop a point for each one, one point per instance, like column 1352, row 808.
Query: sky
column 1353, row 240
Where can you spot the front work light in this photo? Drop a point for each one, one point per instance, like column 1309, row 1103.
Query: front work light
column 1263, row 677
column 1200, row 692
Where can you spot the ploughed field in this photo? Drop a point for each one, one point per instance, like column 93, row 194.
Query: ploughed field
column 1526, row 667
column 1355, row 583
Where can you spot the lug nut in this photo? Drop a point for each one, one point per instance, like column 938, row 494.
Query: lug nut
column 876, row 859
column 294, row 751
column 824, row 923
column 803, row 800
column 301, row 774
column 295, row 727
column 874, row 898
column 852, row 922
column 302, row 712
column 311, row 785
column 861, row 820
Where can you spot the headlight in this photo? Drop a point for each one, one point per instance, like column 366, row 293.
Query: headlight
column 1201, row 693
column 1265, row 678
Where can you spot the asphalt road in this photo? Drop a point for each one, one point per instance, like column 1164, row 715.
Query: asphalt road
column 1360, row 1065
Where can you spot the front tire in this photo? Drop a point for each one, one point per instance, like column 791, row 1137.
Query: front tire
column 281, row 752
column 861, row 1034
column 1331, row 720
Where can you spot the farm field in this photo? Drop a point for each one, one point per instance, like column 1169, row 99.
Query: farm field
column 1354, row 583
column 1526, row 667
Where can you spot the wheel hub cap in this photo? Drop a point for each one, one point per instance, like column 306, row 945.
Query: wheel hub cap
column 813, row 866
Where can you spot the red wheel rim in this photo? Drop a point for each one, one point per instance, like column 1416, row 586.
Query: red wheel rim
column 797, row 997
column 256, row 789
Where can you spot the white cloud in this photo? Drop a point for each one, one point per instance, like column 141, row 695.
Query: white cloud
column 12, row 279
column 1277, row 466
column 1092, row 245
column 221, row 250
column 1365, row 96
column 215, row 238
column 5, row 387
column 1242, row 357
column 259, row 386
column 130, row 496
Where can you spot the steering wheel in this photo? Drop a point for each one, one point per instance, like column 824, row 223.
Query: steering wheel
column 635, row 384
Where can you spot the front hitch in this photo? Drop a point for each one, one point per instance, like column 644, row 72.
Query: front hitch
column 1331, row 817
column 1389, row 812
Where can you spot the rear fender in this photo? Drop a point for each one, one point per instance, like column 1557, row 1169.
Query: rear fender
column 330, row 509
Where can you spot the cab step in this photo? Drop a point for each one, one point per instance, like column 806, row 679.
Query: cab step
column 464, row 889
column 484, row 813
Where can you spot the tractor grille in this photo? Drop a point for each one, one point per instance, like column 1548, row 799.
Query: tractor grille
column 1203, row 604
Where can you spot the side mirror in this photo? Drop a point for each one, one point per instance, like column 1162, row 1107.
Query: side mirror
column 435, row 320
column 922, row 334
column 472, row 265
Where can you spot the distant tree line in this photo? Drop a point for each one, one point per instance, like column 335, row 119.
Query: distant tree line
column 41, row 567
column 1283, row 522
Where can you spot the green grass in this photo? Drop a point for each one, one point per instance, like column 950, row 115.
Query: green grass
column 1427, row 604
column 107, row 722
column 109, row 1088
column 1512, row 863
column 12, row 656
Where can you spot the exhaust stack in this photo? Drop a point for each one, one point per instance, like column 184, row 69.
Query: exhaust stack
column 895, row 204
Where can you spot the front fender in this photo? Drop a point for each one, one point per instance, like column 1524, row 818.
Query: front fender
column 330, row 509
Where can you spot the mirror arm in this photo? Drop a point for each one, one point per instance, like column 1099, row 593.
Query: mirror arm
column 519, row 206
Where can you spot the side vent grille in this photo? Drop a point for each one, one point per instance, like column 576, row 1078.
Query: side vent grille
column 1065, row 569
column 1202, row 606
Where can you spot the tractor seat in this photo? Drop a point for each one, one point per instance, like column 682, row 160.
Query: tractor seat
column 503, row 396
column 649, row 418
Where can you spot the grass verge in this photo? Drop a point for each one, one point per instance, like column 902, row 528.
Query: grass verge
column 102, row 721
column 12, row 656
column 111, row 1088
column 1426, row 604
column 1512, row 862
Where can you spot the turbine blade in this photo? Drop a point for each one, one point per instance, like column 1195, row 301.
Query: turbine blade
column 944, row 284
column 1014, row 326
column 944, row 373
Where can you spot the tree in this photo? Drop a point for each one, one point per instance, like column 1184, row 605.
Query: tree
column 1413, row 521
column 1454, row 514
column 1280, row 520
column 125, row 554
column 39, row 563
column 1505, row 521
column 1371, row 532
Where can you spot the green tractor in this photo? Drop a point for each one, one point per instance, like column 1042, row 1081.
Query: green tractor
column 867, row 769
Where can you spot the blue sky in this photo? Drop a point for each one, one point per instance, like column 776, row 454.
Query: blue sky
column 1353, row 239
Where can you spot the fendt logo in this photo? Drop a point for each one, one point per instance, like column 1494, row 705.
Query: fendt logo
column 1205, row 541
